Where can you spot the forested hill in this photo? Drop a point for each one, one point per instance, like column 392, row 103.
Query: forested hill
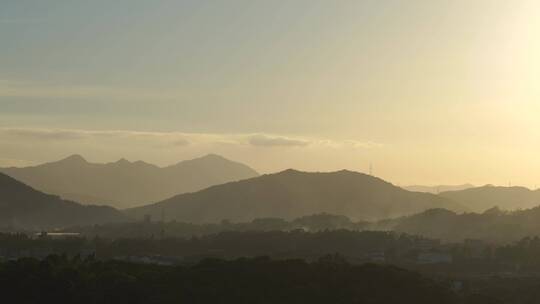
column 482, row 198
column 492, row 225
column 259, row 280
column 291, row 194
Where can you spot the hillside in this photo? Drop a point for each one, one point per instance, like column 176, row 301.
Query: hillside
column 486, row 197
column 330, row 279
column 124, row 184
column 290, row 194
column 493, row 225
column 22, row 207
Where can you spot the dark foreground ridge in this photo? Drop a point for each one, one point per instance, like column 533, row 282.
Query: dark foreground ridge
column 202, row 269
column 59, row 279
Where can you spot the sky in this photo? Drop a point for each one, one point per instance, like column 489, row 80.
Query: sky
column 427, row 91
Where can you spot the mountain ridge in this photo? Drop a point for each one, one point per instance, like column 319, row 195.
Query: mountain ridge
column 492, row 225
column 124, row 184
column 292, row 193
column 482, row 198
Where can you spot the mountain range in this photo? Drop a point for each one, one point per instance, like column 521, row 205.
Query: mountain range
column 507, row 198
column 239, row 194
column 24, row 208
column 291, row 194
column 124, row 184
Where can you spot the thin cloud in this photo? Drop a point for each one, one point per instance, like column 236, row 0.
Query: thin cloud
column 261, row 140
column 175, row 139
column 181, row 143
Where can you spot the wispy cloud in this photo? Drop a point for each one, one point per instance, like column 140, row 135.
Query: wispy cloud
column 266, row 152
column 177, row 139
column 261, row 140
column 357, row 144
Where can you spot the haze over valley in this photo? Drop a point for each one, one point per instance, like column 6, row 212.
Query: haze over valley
column 210, row 190
column 270, row 152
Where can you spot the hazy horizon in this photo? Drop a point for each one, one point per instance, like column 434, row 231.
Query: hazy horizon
column 270, row 151
column 432, row 188
column 428, row 92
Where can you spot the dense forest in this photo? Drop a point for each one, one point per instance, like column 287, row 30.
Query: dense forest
column 412, row 252
column 58, row 279
column 293, row 244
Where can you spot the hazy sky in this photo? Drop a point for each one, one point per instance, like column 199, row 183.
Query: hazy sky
column 428, row 91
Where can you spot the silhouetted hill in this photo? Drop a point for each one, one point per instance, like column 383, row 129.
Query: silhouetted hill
column 492, row 225
column 437, row 189
column 22, row 207
column 290, row 194
column 58, row 279
column 482, row 198
column 124, row 184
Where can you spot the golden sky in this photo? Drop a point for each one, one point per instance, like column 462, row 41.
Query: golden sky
column 430, row 92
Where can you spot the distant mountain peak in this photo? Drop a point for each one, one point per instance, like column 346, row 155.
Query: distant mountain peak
column 343, row 172
column 356, row 173
column 206, row 158
column 122, row 161
column 75, row 158
column 124, row 183
column 143, row 163
column 214, row 161
column 290, row 171
column 507, row 198
column 212, row 155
